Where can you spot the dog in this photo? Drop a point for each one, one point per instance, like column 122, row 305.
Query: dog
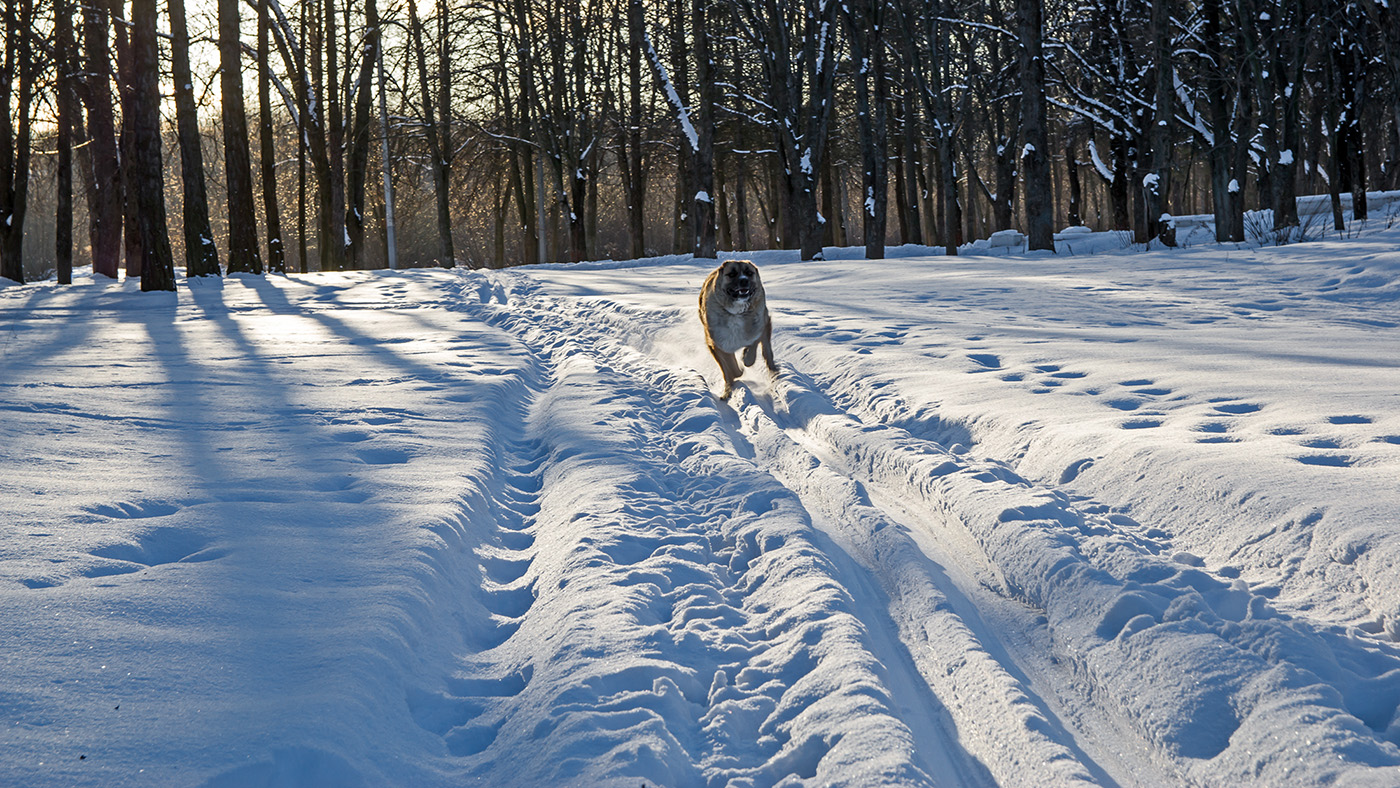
column 734, row 313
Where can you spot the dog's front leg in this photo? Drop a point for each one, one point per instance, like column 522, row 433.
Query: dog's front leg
column 767, row 341
column 728, row 368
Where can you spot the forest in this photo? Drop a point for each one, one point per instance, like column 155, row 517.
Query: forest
column 216, row 136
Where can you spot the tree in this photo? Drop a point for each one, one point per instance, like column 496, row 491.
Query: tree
column 437, row 155
column 863, row 20
column 1157, row 182
column 1035, row 160
column 15, row 135
column 157, row 266
column 276, row 249
column 795, row 40
column 66, row 102
column 357, row 167
column 104, row 188
column 697, row 128
column 242, row 226
column 201, row 255
column 1227, row 199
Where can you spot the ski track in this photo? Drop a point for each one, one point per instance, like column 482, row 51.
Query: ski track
column 862, row 492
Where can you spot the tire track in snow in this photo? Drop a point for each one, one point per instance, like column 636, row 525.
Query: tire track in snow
column 683, row 628
column 1129, row 618
column 1015, row 750
column 1132, row 618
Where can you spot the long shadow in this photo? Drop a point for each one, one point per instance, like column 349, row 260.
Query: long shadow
column 77, row 327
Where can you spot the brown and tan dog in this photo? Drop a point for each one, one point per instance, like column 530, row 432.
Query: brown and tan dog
column 734, row 312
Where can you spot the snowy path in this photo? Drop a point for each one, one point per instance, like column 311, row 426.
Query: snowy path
column 999, row 523
column 947, row 529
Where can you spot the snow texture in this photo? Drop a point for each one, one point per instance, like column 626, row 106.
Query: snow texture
column 1112, row 518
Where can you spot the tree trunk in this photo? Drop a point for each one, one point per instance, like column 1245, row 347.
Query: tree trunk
column 1034, row 156
column 127, row 80
column 1075, row 218
column 276, row 249
column 868, row 53
column 357, row 167
column 67, row 112
column 1119, row 188
column 446, row 256
column 630, row 139
column 242, row 225
column 104, row 188
column 1224, row 199
column 1288, row 81
column 1157, row 184
column 157, row 266
column 201, row 255
column 15, row 140
column 332, row 180
column 704, row 153
column 910, row 161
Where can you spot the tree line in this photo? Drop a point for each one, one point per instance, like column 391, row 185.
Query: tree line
column 497, row 132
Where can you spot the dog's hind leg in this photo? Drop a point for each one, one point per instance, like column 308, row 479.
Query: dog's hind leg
column 750, row 353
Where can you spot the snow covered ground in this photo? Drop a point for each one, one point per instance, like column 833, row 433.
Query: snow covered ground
column 1100, row 518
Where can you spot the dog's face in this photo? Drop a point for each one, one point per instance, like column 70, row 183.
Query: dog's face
column 739, row 279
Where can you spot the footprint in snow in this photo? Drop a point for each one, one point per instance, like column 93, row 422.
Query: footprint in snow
column 1237, row 408
column 1326, row 460
column 1322, row 443
column 1140, row 424
column 1349, row 419
column 134, row 510
column 985, row 360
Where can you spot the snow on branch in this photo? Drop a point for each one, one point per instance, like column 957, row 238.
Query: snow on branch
column 674, row 98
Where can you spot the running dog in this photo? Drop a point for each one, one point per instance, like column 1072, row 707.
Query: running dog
column 734, row 313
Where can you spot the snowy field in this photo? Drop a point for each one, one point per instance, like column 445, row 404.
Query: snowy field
column 1111, row 517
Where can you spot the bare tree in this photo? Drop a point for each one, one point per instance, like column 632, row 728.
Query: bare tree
column 242, row 225
column 863, row 20
column 15, row 135
column 1035, row 160
column 276, row 250
column 201, row 255
column 438, row 156
column 66, row 102
column 104, row 187
column 157, row 266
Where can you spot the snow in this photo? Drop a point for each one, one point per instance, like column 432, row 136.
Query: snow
column 1103, row 169
column 1103, row 518
column 1285, row 158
